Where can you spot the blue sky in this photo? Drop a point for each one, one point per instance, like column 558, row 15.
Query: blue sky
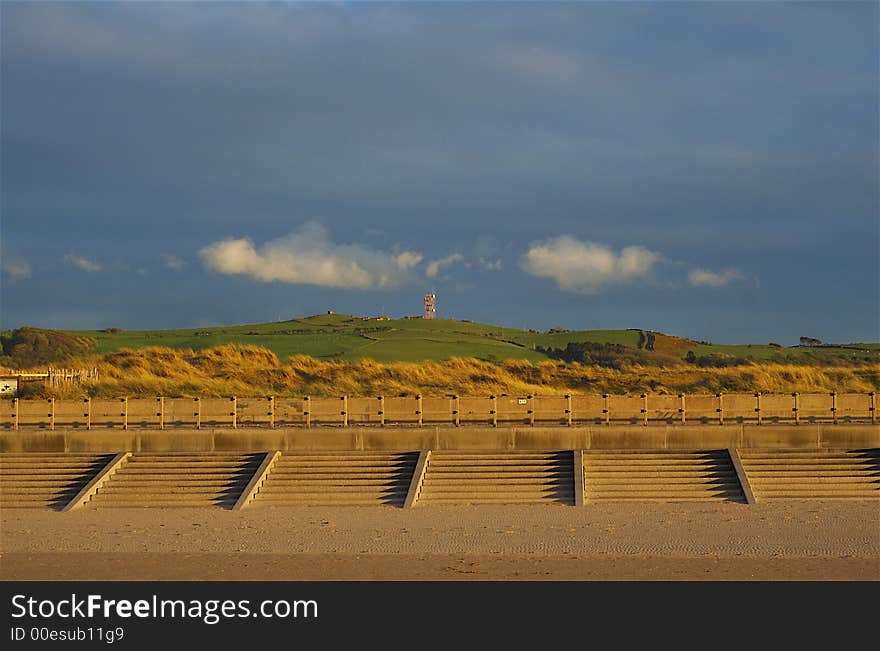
column 705, row 169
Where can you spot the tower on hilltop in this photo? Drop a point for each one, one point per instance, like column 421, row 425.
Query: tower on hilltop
column 430, row 300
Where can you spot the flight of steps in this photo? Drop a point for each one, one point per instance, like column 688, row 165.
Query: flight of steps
column 351, row 478
column 498, row 478
column 660, row 476
column 178, row 479
column 813, row 474
column 45, row 479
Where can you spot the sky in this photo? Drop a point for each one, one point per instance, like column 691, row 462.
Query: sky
column 705, row 169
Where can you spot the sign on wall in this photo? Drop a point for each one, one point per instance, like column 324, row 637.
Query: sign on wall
column 9, row 386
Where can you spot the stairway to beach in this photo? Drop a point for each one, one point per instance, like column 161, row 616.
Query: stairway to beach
column 662, row 476
column 498, row 478
column 350, row 478
column 178, row 479
column 813, row 474
column 45, row 479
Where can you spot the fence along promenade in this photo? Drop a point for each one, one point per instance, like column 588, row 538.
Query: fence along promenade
column 460, row 411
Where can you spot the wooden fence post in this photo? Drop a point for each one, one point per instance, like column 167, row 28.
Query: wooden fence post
column 306, row 411
column 344, row 412
column 872, row 409
column 493, row 412
column 198, row 412
column 382, row 410
column 52, row 413
column 606, row 408
column 645, row 409
column 88, row 415
column 419, row 408
column 795, row 410
column 720, row 408
column 161, row 412
column 834, row 407
column 15, row 405
column 568, row 414
column 271, row 413
column 531, row 411
column 681, row 408
column 124, row 413
column 234, row 412
column 456, row 416
column 758, row 407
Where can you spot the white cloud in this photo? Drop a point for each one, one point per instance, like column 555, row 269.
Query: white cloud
column 707, row 278
column 587, row 267
column 407, row 260
column 491, row 265
column 435, row 266
column 83, row 263
column 172, row 262
column 308, row 257
column 17, row 268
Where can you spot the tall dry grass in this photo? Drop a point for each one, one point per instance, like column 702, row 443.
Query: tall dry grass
column 252, row 370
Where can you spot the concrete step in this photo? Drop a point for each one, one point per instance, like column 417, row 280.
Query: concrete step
column 158, row 504
column 38, row 496
column 658, row 463
column 665, row 481
column 35, row 472
column 330, row 485
column 318, row 502
column 335, row 488
column 648, row 471
column 666, row 493
column 41, row 490
column 391, row 475
column 123, row 475
column 843, row 463
column 331, row 495
column 813, row 479
column 497, row 480
column 495, row 500
column 472, row 469
column 665, row 499
column 48, row 482
column 492, row 476
column 110, row 489
column 488, row 488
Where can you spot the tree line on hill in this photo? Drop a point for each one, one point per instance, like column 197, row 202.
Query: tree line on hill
column 26, row 347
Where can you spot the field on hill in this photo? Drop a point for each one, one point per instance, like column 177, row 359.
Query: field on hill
column 341, row 337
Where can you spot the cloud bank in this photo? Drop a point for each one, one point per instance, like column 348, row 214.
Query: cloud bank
column 172, row 262
column 587, row 267
column 435, row 266
column 708, row 278
column 308, row 257
column 17, row 268
column 83, row 263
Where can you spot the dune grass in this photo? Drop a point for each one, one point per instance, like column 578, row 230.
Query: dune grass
column 247, row 370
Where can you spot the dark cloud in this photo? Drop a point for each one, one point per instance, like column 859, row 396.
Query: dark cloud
column 721, row 135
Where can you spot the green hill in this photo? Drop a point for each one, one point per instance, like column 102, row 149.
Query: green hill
column 336, row 336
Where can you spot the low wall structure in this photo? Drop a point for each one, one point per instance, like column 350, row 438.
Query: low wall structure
column 598, row 437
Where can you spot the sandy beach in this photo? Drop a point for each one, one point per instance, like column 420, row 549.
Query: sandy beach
column 797, row 540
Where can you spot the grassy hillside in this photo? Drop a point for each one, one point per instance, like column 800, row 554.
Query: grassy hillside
column 341, row 337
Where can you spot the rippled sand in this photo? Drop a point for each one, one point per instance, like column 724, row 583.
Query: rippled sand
column 770, row 541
